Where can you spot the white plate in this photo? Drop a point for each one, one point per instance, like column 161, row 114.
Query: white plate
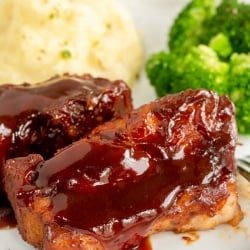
column 153, row 18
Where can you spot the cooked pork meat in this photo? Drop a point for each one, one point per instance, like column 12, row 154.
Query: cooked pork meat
column 46, row 117
column 168, row 165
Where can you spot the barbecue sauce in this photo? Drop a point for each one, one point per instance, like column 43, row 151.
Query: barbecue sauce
column 46, row 117
column 118, row 181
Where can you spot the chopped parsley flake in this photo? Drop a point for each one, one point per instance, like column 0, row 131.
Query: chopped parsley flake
column 108, row 26
column 42, row 51
column 54, row 14
column 65, row 54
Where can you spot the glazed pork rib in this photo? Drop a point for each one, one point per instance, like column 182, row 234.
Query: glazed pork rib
column 168, row 165
column 51, row 115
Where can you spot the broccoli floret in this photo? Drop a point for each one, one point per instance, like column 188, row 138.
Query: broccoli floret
column 209, row 47
column 232, row 18
column 201, row 21
column 199, row 68
column 239, row 89
column 158, row 67
column 188, row 26
column 221, row 45
column 202, row 68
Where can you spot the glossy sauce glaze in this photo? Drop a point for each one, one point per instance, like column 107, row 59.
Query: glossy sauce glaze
column 126, row 174
column 46, row 117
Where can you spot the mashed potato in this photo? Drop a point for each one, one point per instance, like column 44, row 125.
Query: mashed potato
column 41, row 38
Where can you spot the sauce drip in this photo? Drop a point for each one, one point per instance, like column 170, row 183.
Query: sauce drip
column 125, row 175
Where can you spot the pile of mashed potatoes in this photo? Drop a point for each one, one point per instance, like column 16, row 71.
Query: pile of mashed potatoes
column 41, row 38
